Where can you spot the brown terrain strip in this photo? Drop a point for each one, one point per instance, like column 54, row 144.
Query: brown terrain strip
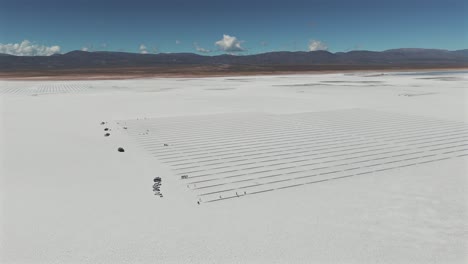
column 195, row 71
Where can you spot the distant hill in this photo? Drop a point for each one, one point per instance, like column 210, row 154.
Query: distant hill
column 430, row 58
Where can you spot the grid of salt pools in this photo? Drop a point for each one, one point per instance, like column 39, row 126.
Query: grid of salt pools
column 233, row 155
column 49, row 88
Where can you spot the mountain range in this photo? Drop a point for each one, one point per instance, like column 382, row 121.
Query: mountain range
column 394, row 58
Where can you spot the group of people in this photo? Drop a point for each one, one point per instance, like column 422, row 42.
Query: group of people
column 157, row 186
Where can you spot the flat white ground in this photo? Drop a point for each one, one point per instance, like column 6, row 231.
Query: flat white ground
column 283, row 144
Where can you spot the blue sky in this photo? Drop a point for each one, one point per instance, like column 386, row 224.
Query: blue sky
column 251, row 26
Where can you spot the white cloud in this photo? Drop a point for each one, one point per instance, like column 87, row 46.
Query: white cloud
column 229, row 44
column 317, row 45
column 88, row 47
column 143, row 49
column 200, row 49
column 26, row 48
column 177, row 42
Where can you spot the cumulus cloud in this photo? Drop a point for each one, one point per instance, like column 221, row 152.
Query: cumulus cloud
column 200, row 49
column 88, row 47
column 317, row 45
column 229, row 44
column 27, row 48
column 143, row 49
